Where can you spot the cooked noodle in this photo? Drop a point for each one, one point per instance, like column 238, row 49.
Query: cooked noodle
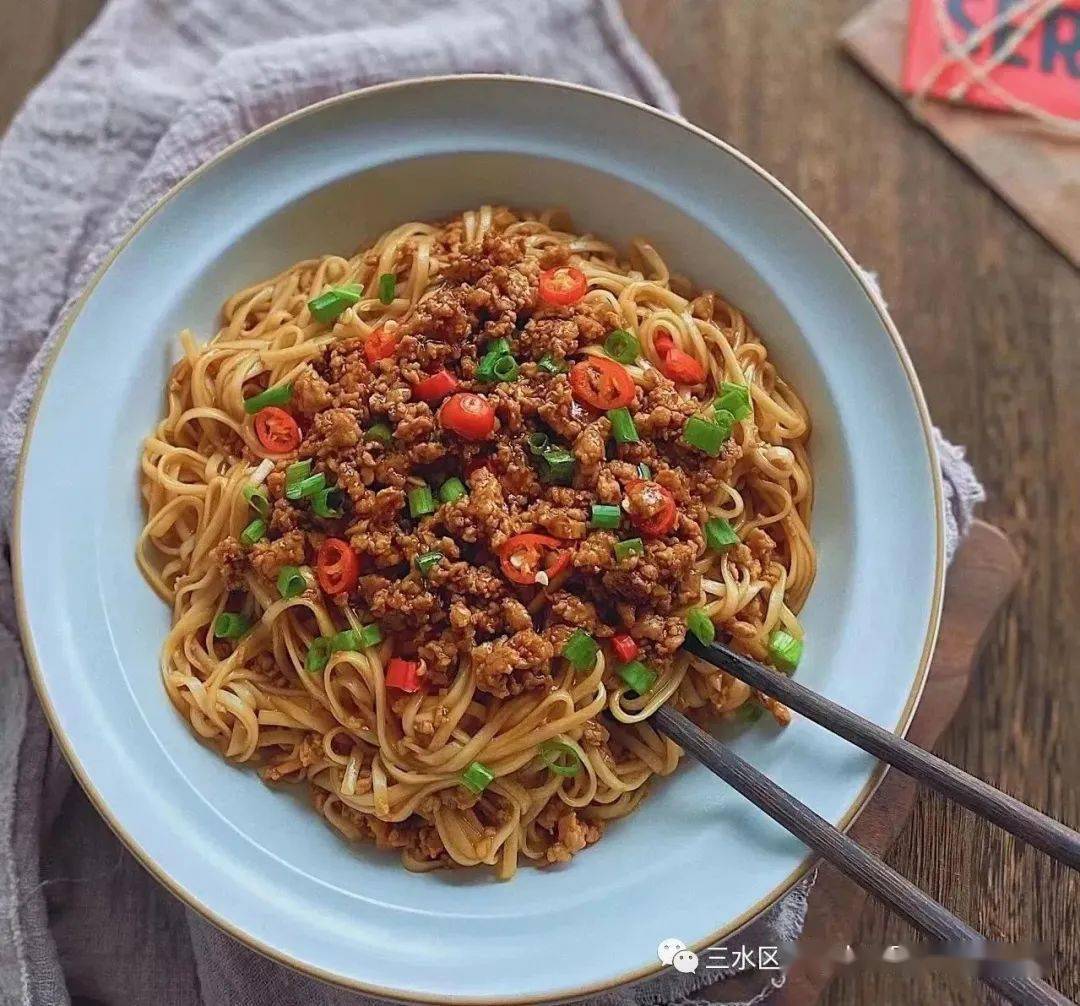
column 386, row 765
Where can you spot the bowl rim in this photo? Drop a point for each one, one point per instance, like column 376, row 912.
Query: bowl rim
column 277, row 954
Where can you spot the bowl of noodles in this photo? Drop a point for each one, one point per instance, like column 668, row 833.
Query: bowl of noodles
column 425, row 459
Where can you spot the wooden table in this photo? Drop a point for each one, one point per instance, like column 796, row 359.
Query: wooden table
column 991, row 315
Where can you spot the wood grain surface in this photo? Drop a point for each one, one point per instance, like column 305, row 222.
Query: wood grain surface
column 991, row 315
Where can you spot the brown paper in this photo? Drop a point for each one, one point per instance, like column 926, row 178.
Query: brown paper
column 1036, row 172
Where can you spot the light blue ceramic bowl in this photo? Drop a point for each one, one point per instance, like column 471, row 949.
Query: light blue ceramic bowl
column 695, row 861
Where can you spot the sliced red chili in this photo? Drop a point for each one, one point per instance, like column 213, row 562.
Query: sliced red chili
column 625, row 646
column 652, row 508
column 663, row 341
column 602, row 383
column 277, row 430
column 562, row 286
column 468, row 415
column 681, row 367
column 379, row 345
column 403, row 675
column 522, row 557
column 437, row 386
column 337, row 566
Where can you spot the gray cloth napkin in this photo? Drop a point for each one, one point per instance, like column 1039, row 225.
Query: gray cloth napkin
column 151, row 91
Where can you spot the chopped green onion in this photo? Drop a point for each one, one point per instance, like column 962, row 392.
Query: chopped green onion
column 452, row 489
column 560, row 757
column 785, row 650
column 625, row 549
column 328, row 503
column 387, row 287
column 622, row 346
column 255, row 531
column 380, row 432
column 581, row 649
column 291, row 582
column 699, row 623
column 556, row 464
column 605, row 515
column 734, row 398
column 719, row 534
column 347, row 639
column 318, row 654
column 497, row 364
column 297, row 472
column 311, row 486
column 725, row 421
column 644, row 472
column 622, row 426
column 257, row 499
column 426, row 562
column 551, row 365
column 229, row 625
column 327, row 306
column 538, row 443
column 281, row 395
column 749, row 711
column 477, row 777
column 421, row 501
column 705, row 435
column 370, row 635
column 639, row 677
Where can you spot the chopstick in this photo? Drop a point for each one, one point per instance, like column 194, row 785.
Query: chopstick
column 1035, row 828
column 846, row 855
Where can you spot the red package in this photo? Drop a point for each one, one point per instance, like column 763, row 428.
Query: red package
column 1041, row 70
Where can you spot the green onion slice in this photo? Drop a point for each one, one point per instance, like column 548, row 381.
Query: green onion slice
column 548, row 363
column 421, row 501
column 380, row 432
column 705, row 435
column 318, row 654
column 734, row 398
column 477, row 777
column 560, row 757
column 556, row 465
column 749, row 711
column 297, row 472
column 452, row 489
column 699, row 623
column 785, row 650
column 605, row 515
column 230, row 625
column 370, row 635
column 257, row 499
column 281, row 395
column 644, row 472
column 625, row 549
column 538, row 443
column 622, row 426
column 622, row 345
column 347, row 639
column 291, row 582
column 328, row 305
column 426, row 562
column 387, row 287
column 328, row 503
column 255, row 531
column 498, row 347
column 581, row 649
column 725, row 421
column 719, row 534
column 311, row 486
column 638, row 677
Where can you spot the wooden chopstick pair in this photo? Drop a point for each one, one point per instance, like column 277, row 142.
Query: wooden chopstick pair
column 850, row 858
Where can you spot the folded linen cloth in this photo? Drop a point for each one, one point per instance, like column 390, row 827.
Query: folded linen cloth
column 152, row 90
